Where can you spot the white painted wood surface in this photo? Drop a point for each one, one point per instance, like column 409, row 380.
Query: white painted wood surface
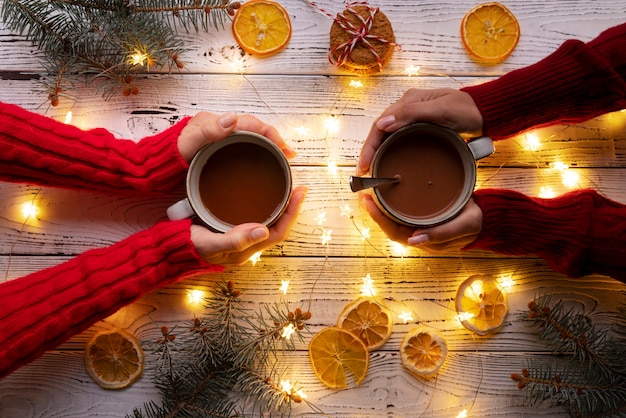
column 299, row 88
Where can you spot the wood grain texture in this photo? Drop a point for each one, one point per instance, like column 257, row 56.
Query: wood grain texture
column 297, row 89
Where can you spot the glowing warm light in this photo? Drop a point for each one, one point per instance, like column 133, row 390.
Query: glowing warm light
column 68, row 117
column 506, row 282
column 462, row 414
column 256, row 257
column 288, row 331
column 356, row 84
column 464, row 316
column 406, row 317
column 139, row 57
column 332, row 124
column 302, row 130
column 284, row 286
column 320, row 218
column 332, row 168
column 365, row 233
column 238, row 65
column 346, row 210
column 547, row 192
column 398, row 248
column 286, row 386
column 412, row 70
column 326, row 236
column 29, row 210
column 368, row 286
column 570, row 178
column 532, row 141
column 195, row 296
column 559, row 166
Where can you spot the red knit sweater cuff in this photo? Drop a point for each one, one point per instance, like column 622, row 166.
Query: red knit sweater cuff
column 556, row 230
column 573, row 84
column 37, row 149
column 42, row 310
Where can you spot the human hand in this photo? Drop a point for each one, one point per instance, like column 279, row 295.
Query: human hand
column 452, row 235
column 451, row 108
column 205, row 128
column 240, row 243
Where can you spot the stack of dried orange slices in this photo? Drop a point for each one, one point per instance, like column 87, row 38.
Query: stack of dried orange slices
column 340, row 354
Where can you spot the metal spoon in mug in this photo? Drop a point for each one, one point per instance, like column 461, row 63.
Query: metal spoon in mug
column 360, row 183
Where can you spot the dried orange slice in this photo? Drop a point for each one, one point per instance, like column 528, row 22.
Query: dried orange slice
column 482, row 304
column 261, row 27
column 490, row 32
column 114, row 359
column 335, row 353
column 368, row 320
column 423, row 351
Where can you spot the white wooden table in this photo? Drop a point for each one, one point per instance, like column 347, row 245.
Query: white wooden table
column 295, row 89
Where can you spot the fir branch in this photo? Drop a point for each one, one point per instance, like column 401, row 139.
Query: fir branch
column 592, row 379
column 221, row 357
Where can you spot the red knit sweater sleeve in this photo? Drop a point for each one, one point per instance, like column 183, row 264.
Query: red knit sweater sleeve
column 40, row 311
column 578, row 233
column 37, row 149
column 577, row 82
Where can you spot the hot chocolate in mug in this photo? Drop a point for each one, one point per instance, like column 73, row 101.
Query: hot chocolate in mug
column 242, row 178
column 437, row 170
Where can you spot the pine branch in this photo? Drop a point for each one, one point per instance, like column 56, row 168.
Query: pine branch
column 118, row 40
column 223, row 356
column 592, row 379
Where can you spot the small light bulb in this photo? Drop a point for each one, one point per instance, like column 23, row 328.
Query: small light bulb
column 368, row 286
column 412, row 70
column 29, row 210
column 256, row 257
column 406, row 317
column 284, row 286
column 532, row 141
column 68, row 117
column 288, row 330
column 326, row 236
column 570, row 178
column 356, row 84
column 195, row 296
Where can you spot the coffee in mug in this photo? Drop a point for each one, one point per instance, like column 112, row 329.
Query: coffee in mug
column 242, row 178
column 437, row 171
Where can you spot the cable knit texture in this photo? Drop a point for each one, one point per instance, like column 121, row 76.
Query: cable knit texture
column 42, row 310
column 578, row 233
column 577, row 82
column 38, row 149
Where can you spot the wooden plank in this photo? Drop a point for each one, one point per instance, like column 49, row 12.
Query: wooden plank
column 68, row 220
column 427, row 31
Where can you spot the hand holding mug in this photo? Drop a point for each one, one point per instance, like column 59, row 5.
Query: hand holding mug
column 240, row 242
column 451, row 108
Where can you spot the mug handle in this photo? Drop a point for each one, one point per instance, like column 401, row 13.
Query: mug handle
column 481, row 147
column 180, row 210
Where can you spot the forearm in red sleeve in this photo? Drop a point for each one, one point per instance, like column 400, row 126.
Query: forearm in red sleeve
column 577, row 82
column 578, row 233
column 42, row 310
column 40, row 150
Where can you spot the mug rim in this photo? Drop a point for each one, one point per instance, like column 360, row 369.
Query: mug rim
column 469, row 167
column 203, row 155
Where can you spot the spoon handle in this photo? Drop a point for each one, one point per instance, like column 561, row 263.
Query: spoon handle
column 360, row 183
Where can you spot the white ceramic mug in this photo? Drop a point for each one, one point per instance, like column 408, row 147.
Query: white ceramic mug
column 242, row 178
column 437, row 170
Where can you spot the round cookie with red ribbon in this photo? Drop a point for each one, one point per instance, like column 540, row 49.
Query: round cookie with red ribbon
column 361, row 40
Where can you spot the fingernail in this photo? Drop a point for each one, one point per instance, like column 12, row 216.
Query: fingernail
column 259, row 234
column 385, row 122
column 227, row 119
column 418, row 239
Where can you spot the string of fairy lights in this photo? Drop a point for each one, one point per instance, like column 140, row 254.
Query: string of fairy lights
column 31, row 210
